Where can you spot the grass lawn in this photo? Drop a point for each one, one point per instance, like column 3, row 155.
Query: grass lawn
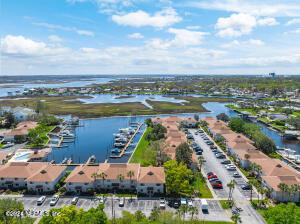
column 139, row 153
column 201, row 186
column 225, row 204
column 1, row 145
column 63, row 105
column 42, row 132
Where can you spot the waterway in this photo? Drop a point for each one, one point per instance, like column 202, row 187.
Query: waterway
column 95, row 136
column 12, row 87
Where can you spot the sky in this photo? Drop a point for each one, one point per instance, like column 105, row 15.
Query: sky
column 56, row 37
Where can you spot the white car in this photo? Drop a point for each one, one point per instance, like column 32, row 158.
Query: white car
column 162, row 203
column 183, row 201
column 121, row 202
column 231, row 168
column 190, row 203
column 54, row 200
column 41, row 200
column 74, row 200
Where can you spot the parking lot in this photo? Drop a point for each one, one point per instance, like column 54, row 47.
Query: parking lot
column 213, row 164
column 215, row 212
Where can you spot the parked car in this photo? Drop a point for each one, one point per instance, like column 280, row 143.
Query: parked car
column 210, row 173
column 213, row 147
column 236, row 175
column 74, row 200
column 199, row 153
column 213, row 179
column 183, row 201
column 246, row 187
column 54, row 200
column 190, row 203
column 220, row 156
column 231, row 168
column 162, row 203
column 204, row 205
column 212, row 176
column 41, row 200
column 121, row 202
column 226, row 162
column 217, row 184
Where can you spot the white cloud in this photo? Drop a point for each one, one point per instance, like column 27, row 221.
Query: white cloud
column 64, row 28
column 244, row 44
column 185, row 37
column 235, row 25
column 135, row 36
column 161, row 19
column 55, row 38
column 279, row 8
column 193, row 27
column 241, row 24
column 267, row 22
column 293, row 22
column 21, row 46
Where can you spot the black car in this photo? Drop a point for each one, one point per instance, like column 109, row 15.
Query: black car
column 199, row 153
column 220, row 156
column 225, row 162
column 246, row 187
column 209, row 143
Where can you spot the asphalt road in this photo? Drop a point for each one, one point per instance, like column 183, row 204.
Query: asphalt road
column 212, row 164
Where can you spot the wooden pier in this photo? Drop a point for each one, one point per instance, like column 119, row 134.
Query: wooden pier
column 123, row 150
column 290, row 161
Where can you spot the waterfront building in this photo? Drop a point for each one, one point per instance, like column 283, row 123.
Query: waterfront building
column 36, row 176
column 113, row 177
column 273, row 171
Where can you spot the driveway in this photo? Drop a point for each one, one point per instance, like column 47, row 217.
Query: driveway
column 212, row 164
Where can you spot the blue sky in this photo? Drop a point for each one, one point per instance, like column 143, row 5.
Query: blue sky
column 150, row 37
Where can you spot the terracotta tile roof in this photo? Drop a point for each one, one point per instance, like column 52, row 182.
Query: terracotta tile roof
column 112, row 170
column 253, row 153
column 20, row 169
column 82, row 174
column 22, row 128
column 47, row 174
column 240, row 142
column 152, row 175
column 274, row 181
column 234, row 136
column 3, row 156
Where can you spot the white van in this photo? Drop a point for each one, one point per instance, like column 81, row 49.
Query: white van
column 204, row 205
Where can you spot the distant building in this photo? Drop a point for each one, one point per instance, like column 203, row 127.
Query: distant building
column 272, row 74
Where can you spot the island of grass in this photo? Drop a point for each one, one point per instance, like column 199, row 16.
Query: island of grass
column 64, row 105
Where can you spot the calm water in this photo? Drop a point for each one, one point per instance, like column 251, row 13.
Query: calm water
column 95, row 136
column 21, row 87
column 110, row 98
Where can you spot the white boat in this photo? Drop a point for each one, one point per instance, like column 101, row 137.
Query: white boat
column 119, row 144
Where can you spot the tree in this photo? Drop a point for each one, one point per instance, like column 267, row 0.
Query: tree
column 231, row 186
column 223, row 117
column 9, row 120
column 196, row 117
column 148, row 122
column 184, row 154
column 154, row 215
column 73, row 215
column 183, row 209
column 251, row 183
column 237, row 124
column 103, row 176
column 201, row 161
column 264, row 143
column 283, row 213
column 236, row 218
column 284, row 189
column 139, row 216
column 120, row 177
column 194, row 211
column 130, row 174
column 7, row 205
column 178, row 179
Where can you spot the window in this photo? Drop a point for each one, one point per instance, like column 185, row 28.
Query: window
column 31, row 182
column 85, row 183
column 46, row 182
column 70, row 183
column 157, row 184
column 142, row 184
column 16, row 178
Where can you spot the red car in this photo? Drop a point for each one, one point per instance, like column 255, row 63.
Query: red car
column 212, row 176
column 217, row 185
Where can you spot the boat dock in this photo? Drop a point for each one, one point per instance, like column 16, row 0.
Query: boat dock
column 289, row 161
column 123, row 150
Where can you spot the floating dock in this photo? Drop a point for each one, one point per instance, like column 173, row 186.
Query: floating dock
column 123, row 150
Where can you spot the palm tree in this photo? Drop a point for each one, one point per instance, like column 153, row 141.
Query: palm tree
column 236, row 218
column 231, row 186
column 183, row 210
column 120, row 177
column 295, row 188
column 194, row 211
column 130, row 174
column 95, row 175
column 284, row 188
column 251, row 183
column 103, row 176
column 201, row 161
